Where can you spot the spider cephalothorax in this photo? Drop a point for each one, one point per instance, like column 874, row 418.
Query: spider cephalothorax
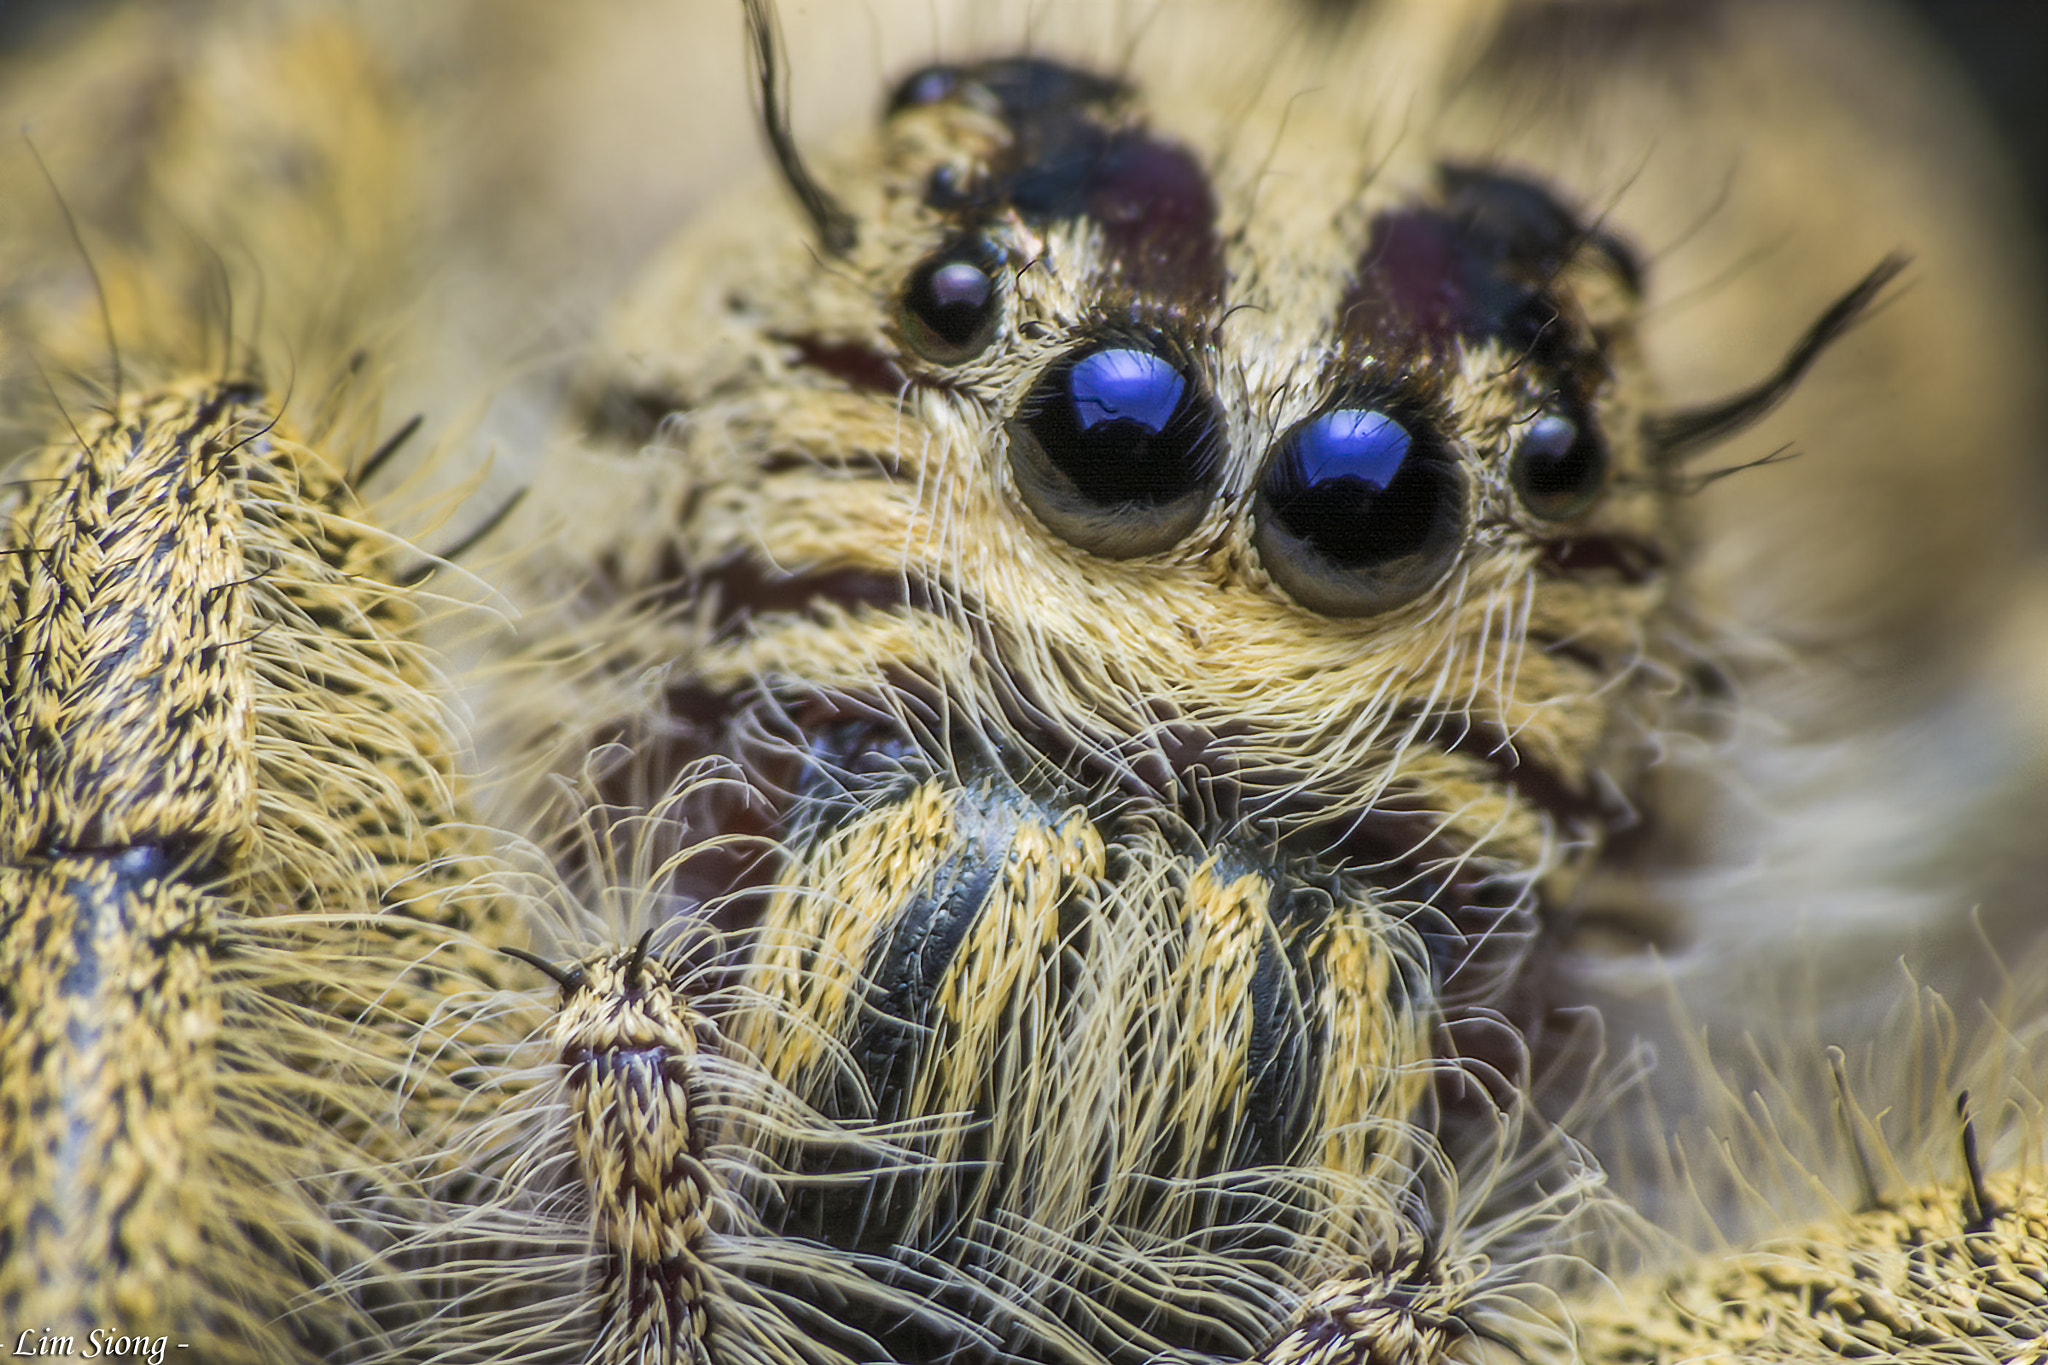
column 1176, row 692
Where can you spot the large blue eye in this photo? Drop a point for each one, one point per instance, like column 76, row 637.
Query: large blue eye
column 1358, row 512
column 1117, row 449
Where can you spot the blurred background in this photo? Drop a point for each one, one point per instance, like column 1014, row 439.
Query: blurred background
column 2001, row 47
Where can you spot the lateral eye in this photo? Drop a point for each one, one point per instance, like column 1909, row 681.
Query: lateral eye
column 1358, row 512
column 951, row 304
column 1559, row 467
column 1117, row 449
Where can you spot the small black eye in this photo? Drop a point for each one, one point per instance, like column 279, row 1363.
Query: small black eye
column 951, row 305
column 1118, row 450
column 926, row 85
column 1358, row 513
column 1559, row 467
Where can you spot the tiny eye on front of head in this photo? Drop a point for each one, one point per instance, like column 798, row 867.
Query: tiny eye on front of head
column 1359, row 511
column 1117, row 448
column 951, row 304
column 1559, row 466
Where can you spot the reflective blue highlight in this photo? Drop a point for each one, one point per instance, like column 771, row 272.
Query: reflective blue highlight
column 1125, row 385
column 1351, row 443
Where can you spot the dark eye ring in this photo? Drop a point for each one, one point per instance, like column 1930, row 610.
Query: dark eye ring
column 1560, row 466
column 1359, row 511
column 951, row 303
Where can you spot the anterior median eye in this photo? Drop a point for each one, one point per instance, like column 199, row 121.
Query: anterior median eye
column 951, row 304
column 1117, row 449
column 1358, row 512
column 1559, row 467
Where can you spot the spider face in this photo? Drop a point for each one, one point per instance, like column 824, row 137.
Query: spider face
column 1385, row 554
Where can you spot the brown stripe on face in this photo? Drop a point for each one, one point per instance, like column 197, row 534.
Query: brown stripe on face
column 1480, row 265
column 1072, row 154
